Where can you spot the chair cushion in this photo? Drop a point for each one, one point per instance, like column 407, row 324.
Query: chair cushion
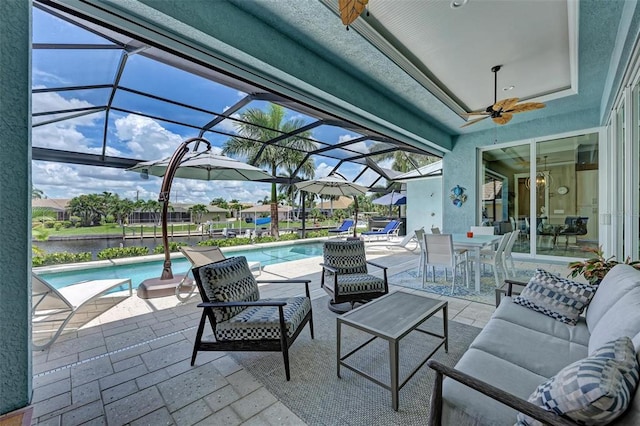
column 556, row 297
column 594, row 390
column 359, row 283
column 263, row 322
column 229, row 280
column 347, row 257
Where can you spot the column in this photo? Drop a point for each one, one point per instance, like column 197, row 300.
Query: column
column 15, row 204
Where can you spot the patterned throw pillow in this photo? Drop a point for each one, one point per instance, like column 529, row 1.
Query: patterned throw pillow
column 593, row 391
column 556, row 297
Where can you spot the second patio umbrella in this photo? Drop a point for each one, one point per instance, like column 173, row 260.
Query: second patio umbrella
column 203, row 165
column 391, row 199
column 335, row 185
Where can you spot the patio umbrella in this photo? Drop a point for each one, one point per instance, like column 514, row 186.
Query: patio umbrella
column 202, row 165
column 391, row 199
column 335, row 185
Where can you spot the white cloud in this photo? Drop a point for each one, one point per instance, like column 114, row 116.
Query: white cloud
column 47, row 77
column 64, row 135
column 323, row 170
column 227, row 125
column 357, row 147
column 146, row 138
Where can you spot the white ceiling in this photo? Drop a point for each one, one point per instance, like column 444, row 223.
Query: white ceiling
column 455, row 48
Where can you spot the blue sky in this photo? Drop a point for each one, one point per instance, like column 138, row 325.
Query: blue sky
column 131, row 135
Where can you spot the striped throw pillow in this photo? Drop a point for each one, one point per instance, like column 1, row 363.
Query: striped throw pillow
column 593, row 391
column 556, row 297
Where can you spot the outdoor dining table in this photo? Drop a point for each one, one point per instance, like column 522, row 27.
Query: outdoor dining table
column 474, row 245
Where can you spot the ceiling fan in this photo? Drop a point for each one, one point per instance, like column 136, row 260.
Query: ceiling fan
column 501, row 112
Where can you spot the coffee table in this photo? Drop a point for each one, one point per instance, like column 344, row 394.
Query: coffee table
column 392, row 317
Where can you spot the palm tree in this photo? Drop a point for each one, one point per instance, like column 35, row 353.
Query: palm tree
column 291, row 192
column 37, row 193
column 235, row 206
column 263, row 126
column 154, row 207
column 402, row 161
column 220, row 202
column 198, row 210
column 90, row 208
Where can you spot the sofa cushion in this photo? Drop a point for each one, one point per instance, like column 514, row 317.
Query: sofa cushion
column 594, row 390
column 518, row 314
column 622, row 319
column 496, row 371
column 556, row 297
column 617, row 283
column 538, row 352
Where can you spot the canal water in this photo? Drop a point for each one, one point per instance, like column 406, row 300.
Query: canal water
column 94, row 245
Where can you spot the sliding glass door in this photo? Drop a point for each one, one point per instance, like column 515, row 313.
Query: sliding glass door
column 546, row 189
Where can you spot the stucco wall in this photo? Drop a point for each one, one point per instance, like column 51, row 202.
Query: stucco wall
column 424, row 208
column 15, row 212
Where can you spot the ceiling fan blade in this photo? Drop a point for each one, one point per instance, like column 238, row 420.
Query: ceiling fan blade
column 503, row 119
column 529, row 106
column 505, row 104
column 474, row 121
column 351, row 9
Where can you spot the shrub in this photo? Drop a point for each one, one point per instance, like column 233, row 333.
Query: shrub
column 49, row 225
column 67, row 224
column 119, row 252
column 59, row 258
column 57, row 226
column 266, row 239
column 316, row 234
column 173, row 247
column 289, row 237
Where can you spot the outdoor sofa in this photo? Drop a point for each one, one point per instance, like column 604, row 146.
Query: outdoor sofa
column 520, row 349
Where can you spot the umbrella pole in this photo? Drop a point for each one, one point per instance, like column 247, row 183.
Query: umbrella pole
column 355, row 221
column 164, row 198
column 303, row 199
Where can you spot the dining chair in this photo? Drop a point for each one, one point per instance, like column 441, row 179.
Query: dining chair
column 420, row 237
column 507, row 254
column 482, row 230
column 439, row 252
column 495, row 257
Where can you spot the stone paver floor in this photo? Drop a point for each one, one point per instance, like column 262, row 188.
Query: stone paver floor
column 131, row 365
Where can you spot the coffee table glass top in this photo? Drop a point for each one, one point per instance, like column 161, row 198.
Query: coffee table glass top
column 395, row 314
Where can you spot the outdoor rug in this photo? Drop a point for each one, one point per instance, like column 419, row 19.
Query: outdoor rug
column 319, row 397
column 412, row 278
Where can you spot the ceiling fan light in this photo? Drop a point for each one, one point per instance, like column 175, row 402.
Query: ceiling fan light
column 456, row 4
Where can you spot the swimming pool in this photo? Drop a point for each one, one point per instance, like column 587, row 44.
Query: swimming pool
column 141, row 271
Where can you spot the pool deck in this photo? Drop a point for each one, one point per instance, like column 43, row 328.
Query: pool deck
column 130, row 365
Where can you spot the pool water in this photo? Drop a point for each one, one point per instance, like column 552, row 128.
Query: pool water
column 139, row 272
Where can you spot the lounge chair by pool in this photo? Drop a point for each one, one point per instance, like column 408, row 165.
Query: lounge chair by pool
column 51, row 306
column 344, row 228
column 390, row 229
